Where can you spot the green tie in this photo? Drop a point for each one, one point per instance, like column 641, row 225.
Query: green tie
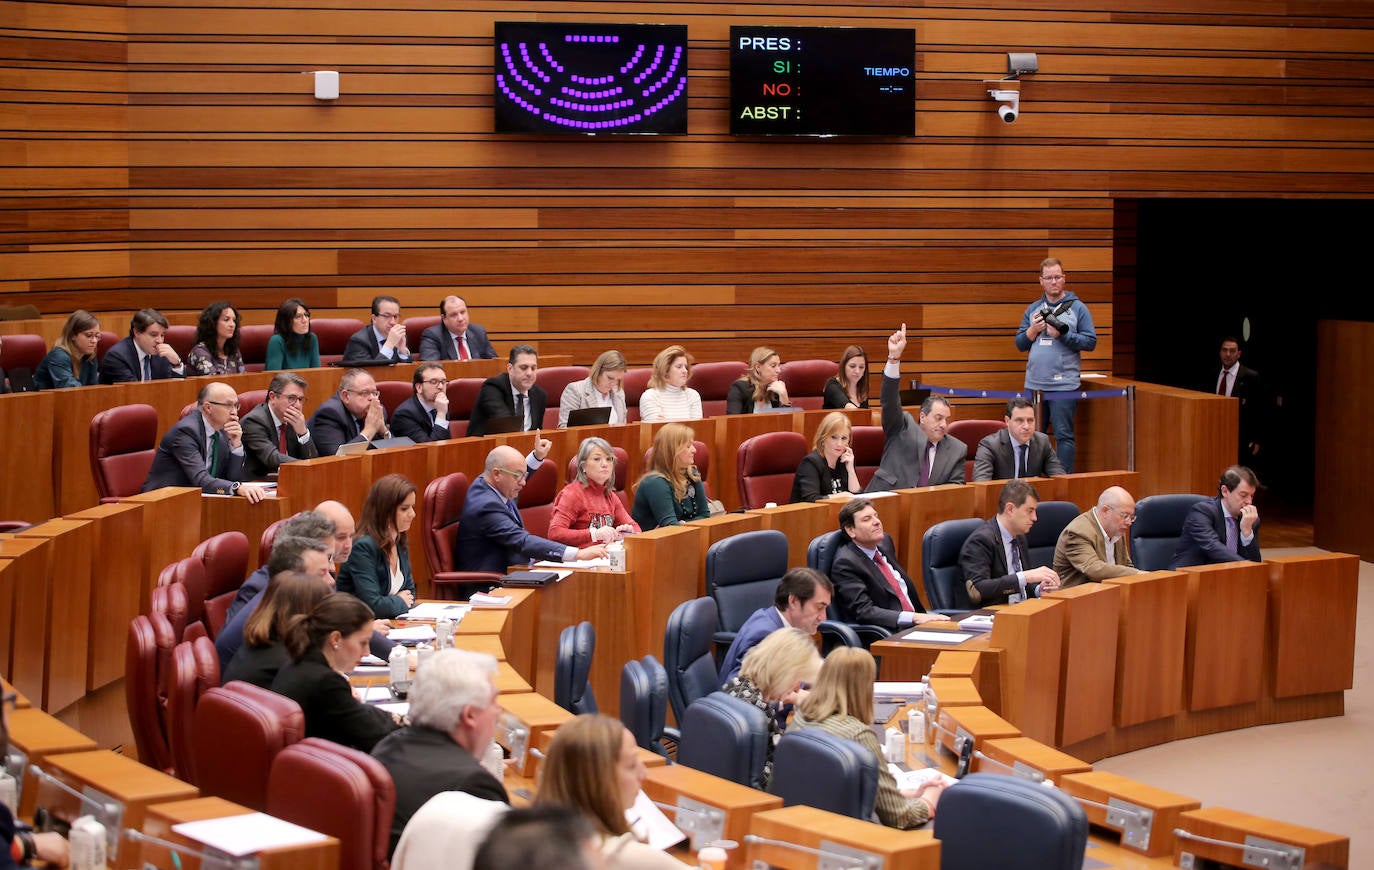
column 214, row 454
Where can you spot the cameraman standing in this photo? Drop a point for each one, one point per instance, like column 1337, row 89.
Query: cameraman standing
column 1056, row 329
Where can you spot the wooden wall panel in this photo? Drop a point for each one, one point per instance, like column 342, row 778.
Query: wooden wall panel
column 166, row 153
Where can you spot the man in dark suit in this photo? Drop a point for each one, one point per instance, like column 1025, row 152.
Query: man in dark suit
column 870, row 585
column 275, row 431
column 385, row 338
column 491, row 532
column 453, row 713
column 1222, row 529
column 455, row 337
column 801, row 600
column 914, row 454
column 424, row 416
column 513, row 394
column 145, row 355
column 995, row 560
column 1242, row 383
column 1018, row 450
column 205, row 448
column 355, row 414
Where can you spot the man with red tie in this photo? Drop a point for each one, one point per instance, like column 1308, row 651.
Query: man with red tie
column 275, row 431
column 870, row 585
column 455, row 336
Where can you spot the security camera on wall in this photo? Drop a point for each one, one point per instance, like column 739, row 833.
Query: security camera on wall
column 1009, row 104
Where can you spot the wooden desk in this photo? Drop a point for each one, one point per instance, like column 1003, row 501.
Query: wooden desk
column 1031, row 634
column 539, row 715
column 23, row 574
column 221, row 513
column 161, row 818
column 171, row 530
column 800, row 523
column 1319, row 848
column 1224, row 656
column 816, row 829
column 40, row 737
column 26, row 455
column 1029, row 754
column 21, row 701
column 1087, row 677
column 739, row 803
column 732, row 431
column 609, row 600
column 1150, row 646
column 63, row 604
column 925, row 508
column 1312, row 602
column 1155, row 837
column 666, row 568
column 116, row 595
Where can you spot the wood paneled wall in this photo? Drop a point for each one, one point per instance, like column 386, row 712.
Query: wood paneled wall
column 167, row 153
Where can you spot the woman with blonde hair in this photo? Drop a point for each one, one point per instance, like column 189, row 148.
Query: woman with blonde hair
column 71, row 362
column 600, row 389
column 593, row 765
column 588, row 511
column 849, row 387
column 761, row 387
column 771, row 676
column 841, row 702
column 668, row 397
column 829, row 468
column 671, row 492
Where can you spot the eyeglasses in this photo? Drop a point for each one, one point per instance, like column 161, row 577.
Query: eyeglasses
column 1051, row 277
column 234, row 405
column 93, row 336
column 370, row 394
column 518, row 475
column 291, row 400
column 387, row 316
column 1127, row 518
column 435, row 382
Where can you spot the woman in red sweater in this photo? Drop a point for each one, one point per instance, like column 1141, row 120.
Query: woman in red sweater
column 588, row 511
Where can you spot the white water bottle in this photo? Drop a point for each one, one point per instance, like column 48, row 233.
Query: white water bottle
column 615, row 551
column 86, row 842
column 443, row 633
column 399, row 664
column 494, row 760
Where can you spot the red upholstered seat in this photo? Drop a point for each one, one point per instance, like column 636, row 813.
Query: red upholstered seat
column 22, row 351
column 636, row 381
column 444, row 497
column 333, row 334
column 415, row 327
column 767, row 465
column 147, row 656
column 181, row 338
column 123, row 441
column 393, row 394
column 269, row 535
column 250, row 399
column 553, row 380
column 536, row 499
column 238, row 731
column 867, row 442
column 195, row 670
column 971, row 432
column 462, row 396
column 337, row 791
column 806, row 379
column 253, row 347
column 107, row 340
column 169, row 598
column 712, row 380
column 225, row 560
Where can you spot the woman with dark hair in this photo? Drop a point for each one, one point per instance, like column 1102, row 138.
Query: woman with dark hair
column 671, row 491
column 216, row 351
column 841, row 702
column 378, row 569
column 292, row 345
column 849, row 387
column 593, row 766
column 587, row 511
column 71, row 362
column 288, row 594
column 829, row 468
column 761, row 387
column 325, row 645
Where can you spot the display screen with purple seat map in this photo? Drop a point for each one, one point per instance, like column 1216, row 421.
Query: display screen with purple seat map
column 590, row 78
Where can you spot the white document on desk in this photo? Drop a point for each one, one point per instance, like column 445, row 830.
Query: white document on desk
column 411, row 633
column 947, row 637
column 248, row 834
column 569, row 567
column 433, row 611
column 914, row 779
column 649, row 823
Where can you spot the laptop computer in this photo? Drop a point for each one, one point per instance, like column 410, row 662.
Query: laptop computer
column 502, row 425
column 589, row 417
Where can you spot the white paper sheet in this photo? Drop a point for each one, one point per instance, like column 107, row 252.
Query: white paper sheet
column 415, row 633
column 909, row 690
column 912, row 779
column 245, row 835
column 649, row 823
column 483, row 599
column 432, row 611
column 947, row 637
column 568, row 567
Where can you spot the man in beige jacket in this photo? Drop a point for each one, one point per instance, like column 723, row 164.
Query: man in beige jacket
column 1096, row 544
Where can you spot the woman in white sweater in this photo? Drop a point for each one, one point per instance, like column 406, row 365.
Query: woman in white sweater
column 668, row 397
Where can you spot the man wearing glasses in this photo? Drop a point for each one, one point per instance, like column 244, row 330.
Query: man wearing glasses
column 1055, row 330
column 1096, row 545
column 424, row 416
column 275, row 432
column 205, row 449
column 355, row 414
column 995, row 559
column 385, row 338
column 491, row 533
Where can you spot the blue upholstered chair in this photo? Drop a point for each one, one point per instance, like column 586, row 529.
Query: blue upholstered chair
column 644, row 705
column 815, row 768
column 742, row 573
column 1051, row 518
column 1158, row 524
column 572, row 669
column 725, row 737
column 943, row 580
column 1037, row 828
column 688, row 657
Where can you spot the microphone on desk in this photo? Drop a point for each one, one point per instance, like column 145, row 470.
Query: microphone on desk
column 832, row 855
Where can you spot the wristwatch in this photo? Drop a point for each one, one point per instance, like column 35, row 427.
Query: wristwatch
column 234, row 488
